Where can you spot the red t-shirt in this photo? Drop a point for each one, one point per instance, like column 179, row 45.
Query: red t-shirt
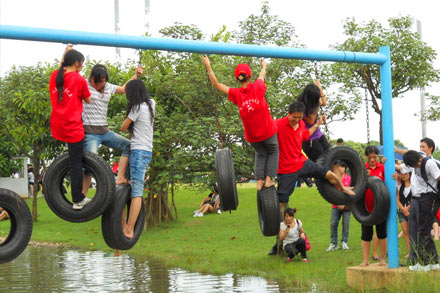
column 290, row 145
column 65, row 121
column 379, row 171
column 254, row 112
column 346, row 181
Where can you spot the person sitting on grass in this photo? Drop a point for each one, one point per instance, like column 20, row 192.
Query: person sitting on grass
column 259, row 127
column 3, row 214
column 293, row 236
column 210, row 204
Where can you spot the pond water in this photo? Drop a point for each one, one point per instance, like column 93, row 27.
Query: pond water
column 50, row 269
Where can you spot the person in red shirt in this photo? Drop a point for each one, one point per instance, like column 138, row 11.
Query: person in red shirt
column 374, row 168
column 293, row 164
column 67, row 91
column 259, row 128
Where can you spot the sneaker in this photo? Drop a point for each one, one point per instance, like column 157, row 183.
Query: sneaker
column 273, row 250
column 332, row 246
column 435, row 267
column 305, row 260
column 344, row 245
column 289, row 259
column 219, row 211
column 200, row 215
column 81, row 204
column 419, row 268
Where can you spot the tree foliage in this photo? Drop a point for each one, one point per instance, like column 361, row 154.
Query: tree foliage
column 411, row 59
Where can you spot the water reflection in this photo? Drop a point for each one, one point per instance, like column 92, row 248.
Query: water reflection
column 47, row 269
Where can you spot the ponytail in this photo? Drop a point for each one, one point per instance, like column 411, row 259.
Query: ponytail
column 70, row 58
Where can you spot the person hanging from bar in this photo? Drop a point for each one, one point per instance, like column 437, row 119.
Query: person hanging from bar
column 313, row 97
column 67, row 90
column 260, row 129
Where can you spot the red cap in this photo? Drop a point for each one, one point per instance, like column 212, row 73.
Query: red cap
column 242, row 68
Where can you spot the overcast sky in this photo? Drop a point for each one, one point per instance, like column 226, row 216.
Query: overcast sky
column 318, row 24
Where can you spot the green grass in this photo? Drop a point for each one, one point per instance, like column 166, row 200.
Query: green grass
column 228, row 243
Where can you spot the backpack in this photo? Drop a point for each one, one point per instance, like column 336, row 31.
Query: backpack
column 425, row 177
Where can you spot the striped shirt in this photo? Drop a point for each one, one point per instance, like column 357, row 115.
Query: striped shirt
column 95, row 113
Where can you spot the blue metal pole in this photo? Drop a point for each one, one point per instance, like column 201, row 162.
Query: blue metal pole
column 388, row 141
column 167, row 44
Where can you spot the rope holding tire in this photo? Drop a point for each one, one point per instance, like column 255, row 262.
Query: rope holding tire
column 268, row 211
column 224, row 167
column 357, row 171
column 111, row 221
column 20, row 225
column 55, row 194
column 381, row 204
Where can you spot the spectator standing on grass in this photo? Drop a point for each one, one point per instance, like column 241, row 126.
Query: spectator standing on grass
column 338, row 211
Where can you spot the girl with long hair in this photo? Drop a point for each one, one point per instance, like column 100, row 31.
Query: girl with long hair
column 139, row 123
column 67, row 91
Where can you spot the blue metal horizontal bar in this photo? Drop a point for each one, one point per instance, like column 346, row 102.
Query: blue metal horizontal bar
column 177, row 45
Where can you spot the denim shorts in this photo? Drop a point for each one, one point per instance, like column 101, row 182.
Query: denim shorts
column 402, row 217
column 139, row 161
column 110, row 139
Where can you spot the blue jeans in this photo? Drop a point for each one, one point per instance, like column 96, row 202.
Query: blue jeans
column 110, row 139
column 139, row 161
column 334, row 222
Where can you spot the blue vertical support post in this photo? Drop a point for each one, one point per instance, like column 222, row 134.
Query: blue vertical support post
column 388, row 141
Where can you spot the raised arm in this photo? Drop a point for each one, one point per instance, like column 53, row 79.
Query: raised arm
column 263, row 70
column 138, row 72
column 212, row 78
column 323, row 98
column 68, row 48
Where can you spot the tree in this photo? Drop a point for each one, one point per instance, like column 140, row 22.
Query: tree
column 411, row 60
column 25, row 111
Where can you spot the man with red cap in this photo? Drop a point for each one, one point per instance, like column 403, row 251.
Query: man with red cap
column 260, row 129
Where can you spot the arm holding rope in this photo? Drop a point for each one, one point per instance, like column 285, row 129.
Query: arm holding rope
column 323, row 98
column 262, row 75
column 138, row 72
column 212, row 78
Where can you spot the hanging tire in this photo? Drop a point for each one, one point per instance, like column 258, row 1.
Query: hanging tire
column 381, row 204
column 111, row 221
column 55, row 192
column 268, row 211
column 358, row 174
column 20, row 225
column 224, row 169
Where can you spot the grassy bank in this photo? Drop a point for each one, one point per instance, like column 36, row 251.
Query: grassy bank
column 227, row 243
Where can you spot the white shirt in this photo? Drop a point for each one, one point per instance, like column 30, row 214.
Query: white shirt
column 418, row 185
column 293, row 234
column 95, row 112
column 142, row 138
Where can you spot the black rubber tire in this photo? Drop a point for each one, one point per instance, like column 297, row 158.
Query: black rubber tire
column 358, row 174
column 268, row 211
column 224, row 169
column 111, row 224
column 20, row 227
column 381, row 204
column 56, row 199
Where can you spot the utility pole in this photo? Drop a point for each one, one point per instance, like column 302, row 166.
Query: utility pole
column 422, row 90
column 118, row 50
column 147, row 10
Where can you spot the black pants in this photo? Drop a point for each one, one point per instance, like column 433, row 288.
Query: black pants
column 294, row 248
column 381, row 231
column 428, row 208
column 413, row 223
column 314, row 148
column 76, row 155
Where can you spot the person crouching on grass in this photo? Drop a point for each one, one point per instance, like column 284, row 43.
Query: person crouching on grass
column 259, row 127
column 293, row 236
